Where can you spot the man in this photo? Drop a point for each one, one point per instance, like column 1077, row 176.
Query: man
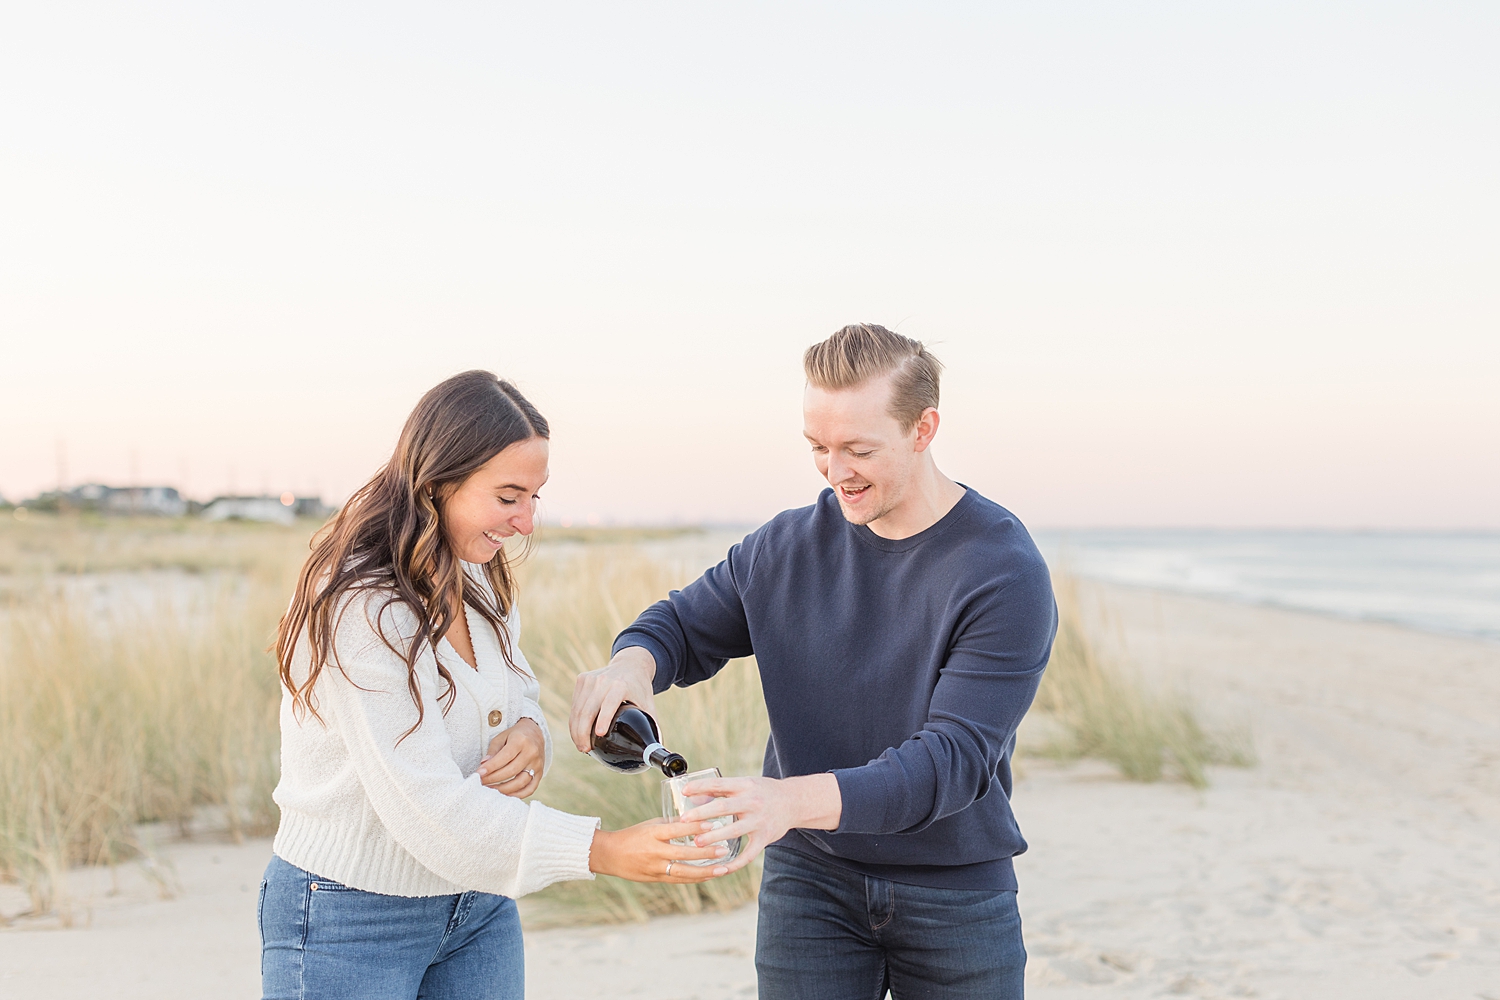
column 901, row 625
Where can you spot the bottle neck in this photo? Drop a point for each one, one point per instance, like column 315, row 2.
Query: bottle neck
column 651, row 751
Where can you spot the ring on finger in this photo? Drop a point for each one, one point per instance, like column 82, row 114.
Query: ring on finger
column 669, row 868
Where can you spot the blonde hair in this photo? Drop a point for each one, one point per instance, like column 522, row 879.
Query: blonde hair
column 864, row 351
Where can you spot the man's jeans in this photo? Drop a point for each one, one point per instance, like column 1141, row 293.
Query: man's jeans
column 827, row 933
column 324, row 941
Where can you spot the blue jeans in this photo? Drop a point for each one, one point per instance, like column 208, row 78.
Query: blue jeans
column 320, row 940
column 827, row 933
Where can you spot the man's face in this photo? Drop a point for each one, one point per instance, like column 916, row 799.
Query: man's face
column 860, row 448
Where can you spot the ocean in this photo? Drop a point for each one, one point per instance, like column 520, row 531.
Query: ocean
column 1446, row 582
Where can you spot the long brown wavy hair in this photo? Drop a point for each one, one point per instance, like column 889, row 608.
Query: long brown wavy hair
column 388, row 539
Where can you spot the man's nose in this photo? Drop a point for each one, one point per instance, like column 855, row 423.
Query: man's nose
column 838, row 471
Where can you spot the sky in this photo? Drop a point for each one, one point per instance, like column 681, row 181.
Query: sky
column 1186, row 264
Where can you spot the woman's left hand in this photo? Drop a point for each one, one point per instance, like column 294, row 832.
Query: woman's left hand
column 513, row 765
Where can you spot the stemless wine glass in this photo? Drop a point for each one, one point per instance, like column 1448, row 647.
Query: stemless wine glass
column 674, row 804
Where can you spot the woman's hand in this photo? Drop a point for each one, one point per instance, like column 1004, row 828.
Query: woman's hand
column 641, row 853
column 514, row 764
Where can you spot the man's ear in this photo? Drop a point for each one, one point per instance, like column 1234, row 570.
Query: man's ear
column 926, row 428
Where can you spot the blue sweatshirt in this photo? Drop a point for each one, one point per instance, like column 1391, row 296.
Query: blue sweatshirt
column 903, row 666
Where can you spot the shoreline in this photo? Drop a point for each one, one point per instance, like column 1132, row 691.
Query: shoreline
column 1280, row 606
column 1359, row 859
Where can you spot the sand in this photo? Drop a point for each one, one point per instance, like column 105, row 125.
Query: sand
column 1359, row 859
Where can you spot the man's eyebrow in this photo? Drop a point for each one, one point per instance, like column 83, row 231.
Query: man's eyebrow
column 846, row 444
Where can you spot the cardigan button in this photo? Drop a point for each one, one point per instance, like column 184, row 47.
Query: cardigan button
column 495, row 717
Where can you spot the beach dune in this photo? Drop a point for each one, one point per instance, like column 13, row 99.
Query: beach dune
column 1359, row 859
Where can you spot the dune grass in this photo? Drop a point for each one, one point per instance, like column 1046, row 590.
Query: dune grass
column 108, row 725
column 573, row 605
column 1098, row 709
column 49, row 544
column 165, row 712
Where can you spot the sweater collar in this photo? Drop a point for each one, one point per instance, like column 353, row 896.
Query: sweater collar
column 959, row 511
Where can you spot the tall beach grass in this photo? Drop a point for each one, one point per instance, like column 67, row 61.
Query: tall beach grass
column 1095, row 707
column 164, row 710
column 109, row 723
column 573, row 605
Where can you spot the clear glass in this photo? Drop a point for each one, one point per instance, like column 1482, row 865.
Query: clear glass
column 674, row 804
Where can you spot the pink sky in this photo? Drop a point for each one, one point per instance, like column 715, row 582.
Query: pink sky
column 1187, row 266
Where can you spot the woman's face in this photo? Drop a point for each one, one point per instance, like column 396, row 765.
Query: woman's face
column 496, row 502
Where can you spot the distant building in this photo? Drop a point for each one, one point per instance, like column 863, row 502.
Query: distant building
column 157, row 501
column 284, row 509
column 162, row 501
column 269, row 509
column 313, row 507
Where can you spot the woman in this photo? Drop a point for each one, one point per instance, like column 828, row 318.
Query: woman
column 403, row 843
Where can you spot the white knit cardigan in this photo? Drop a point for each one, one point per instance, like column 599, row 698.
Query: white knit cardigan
column 409, row 817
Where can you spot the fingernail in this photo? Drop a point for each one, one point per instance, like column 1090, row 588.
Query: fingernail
column 721, row 852
column 721, row 871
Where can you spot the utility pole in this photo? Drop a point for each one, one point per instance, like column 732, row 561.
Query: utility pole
column 62, row 473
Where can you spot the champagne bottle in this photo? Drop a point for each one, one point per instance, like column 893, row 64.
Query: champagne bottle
column 633, row 743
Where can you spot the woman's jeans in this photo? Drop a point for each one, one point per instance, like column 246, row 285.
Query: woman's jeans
column 827, row 933
column 320, row 940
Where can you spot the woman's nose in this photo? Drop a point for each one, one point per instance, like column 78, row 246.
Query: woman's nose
column 525, row 520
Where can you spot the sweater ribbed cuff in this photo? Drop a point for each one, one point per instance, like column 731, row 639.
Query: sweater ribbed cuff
column 865, row 795
column 557, row 849
column 665, row 672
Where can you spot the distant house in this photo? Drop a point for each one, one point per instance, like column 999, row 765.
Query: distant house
column 273, row 510
column 162, row 501
column 158, row 501
column 313, row 507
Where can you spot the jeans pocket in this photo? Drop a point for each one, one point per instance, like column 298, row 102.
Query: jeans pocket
column 260, row 912
column 320, row 883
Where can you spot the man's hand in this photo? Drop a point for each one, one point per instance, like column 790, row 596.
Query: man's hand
column 598, row 694
column 767, row 808
column 513, row 765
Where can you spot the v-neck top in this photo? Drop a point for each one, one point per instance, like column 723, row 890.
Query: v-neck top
column 377, row 805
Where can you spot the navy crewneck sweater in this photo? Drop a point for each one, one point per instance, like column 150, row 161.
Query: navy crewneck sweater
column 901, row 665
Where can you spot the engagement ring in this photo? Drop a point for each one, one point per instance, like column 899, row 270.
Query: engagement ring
column 669, row 868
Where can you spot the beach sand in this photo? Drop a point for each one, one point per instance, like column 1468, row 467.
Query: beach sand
column 1359, row 859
